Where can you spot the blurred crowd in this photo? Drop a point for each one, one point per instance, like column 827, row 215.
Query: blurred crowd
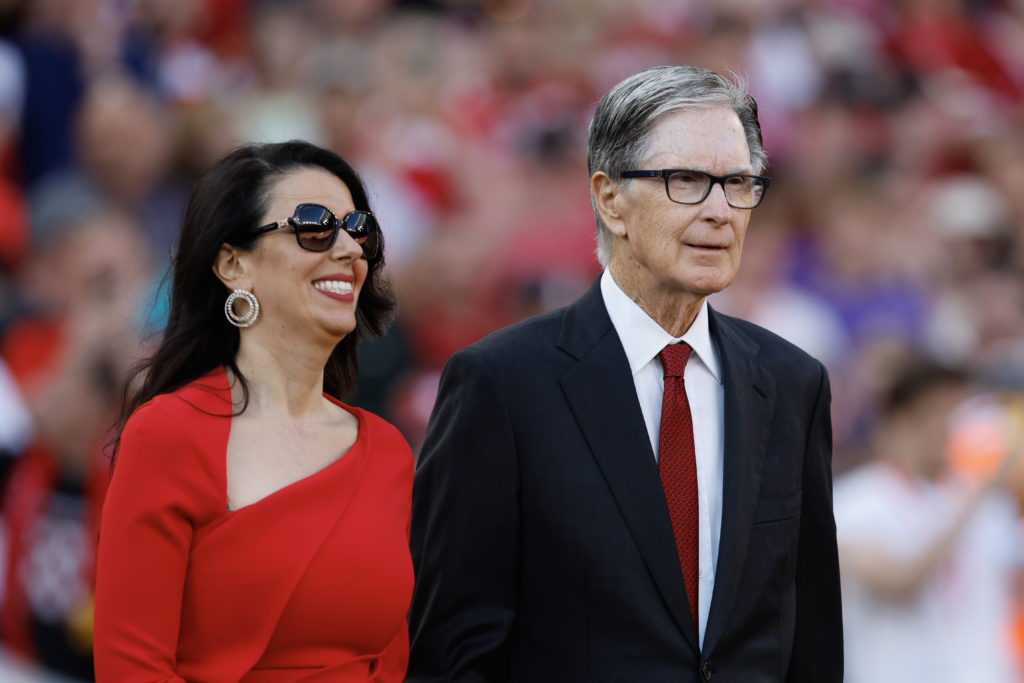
column 894, row 228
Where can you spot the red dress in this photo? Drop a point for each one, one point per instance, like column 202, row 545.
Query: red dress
column 310, row 583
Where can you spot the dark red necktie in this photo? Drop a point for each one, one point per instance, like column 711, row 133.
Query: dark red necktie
column 677, row 466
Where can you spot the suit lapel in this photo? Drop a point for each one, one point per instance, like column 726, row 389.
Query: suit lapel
column 602, row 396
column 749, row 397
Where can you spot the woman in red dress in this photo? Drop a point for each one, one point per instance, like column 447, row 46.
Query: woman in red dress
column 256, row 527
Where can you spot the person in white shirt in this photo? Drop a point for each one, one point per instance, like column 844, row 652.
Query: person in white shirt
column 928, row 558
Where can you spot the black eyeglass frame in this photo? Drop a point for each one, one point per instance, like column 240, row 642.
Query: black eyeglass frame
column 666, row 173
column 336, row 225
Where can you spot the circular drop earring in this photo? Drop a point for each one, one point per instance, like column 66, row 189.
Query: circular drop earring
column 251, row 314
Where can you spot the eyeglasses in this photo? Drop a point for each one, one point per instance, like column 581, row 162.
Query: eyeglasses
column 316, row 228
column 684, row 186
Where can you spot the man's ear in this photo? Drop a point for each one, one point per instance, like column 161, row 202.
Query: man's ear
column 229, row 268
column 608, row 196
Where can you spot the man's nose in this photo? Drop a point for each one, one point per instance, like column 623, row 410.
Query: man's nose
column 715, row 204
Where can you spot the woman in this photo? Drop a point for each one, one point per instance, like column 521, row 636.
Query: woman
column 256, row 528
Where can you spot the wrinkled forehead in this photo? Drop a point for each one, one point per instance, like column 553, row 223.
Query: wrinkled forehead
column 706, row 138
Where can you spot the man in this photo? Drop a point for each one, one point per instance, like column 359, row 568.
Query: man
column 580, row 516
column 930, row 558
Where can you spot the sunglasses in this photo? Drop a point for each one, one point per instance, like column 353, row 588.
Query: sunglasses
column 316, row 228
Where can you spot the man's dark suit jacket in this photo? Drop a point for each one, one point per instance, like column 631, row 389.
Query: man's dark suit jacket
column 541, row 538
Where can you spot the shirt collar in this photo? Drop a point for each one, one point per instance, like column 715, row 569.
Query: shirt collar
column 643, row 338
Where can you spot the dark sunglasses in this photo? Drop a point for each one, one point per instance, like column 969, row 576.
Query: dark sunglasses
column 316, row 228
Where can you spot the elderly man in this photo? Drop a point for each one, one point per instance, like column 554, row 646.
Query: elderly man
column 636, row 488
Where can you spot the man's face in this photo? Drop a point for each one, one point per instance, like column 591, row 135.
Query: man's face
column 683, row 252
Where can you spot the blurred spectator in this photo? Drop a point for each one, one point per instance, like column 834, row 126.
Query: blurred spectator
column 281, row 106
column 55, row 81
column 16, row 427
column 68, row 356
column 861, row 263
column 162, row 49
column 124, row 152
column 929, row 562
column 972, row 225
column 13, row 228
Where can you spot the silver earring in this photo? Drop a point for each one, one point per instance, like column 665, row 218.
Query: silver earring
column 250, row 315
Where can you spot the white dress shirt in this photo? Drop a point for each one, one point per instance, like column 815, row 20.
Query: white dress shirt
column 643, row 339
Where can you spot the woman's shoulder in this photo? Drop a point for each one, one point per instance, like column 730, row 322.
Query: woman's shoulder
column 381, row 433
column 177, row 414
column 378, row 426
column 178, row 439
column 387, row 446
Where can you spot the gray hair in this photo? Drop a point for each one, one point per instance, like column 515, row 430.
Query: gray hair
column 620, row 131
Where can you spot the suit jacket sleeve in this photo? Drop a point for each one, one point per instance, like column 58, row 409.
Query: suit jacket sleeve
column 817, row 655
column 465, row 528
column 145, row 534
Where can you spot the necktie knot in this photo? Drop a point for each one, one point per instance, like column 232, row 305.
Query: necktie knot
column 673, row 359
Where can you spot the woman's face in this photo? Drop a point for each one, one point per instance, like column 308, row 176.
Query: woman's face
column 306, row 294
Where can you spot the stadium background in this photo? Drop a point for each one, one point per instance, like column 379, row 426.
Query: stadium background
column 893, row 224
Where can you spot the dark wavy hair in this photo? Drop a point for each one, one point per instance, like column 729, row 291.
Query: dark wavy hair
column 226, row 206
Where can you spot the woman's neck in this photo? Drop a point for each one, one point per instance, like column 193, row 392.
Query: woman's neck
column 282, row 382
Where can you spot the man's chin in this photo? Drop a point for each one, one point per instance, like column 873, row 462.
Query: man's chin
column 708, row 286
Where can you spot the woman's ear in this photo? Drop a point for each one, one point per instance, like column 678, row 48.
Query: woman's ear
column 608, row 195
column 230, row 268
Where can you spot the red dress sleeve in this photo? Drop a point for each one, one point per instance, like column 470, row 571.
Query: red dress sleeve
column 160, row 490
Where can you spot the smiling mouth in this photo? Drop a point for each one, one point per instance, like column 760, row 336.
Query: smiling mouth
column 334, row 286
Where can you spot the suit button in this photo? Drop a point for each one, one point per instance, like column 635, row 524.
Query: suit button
column 707, row 670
